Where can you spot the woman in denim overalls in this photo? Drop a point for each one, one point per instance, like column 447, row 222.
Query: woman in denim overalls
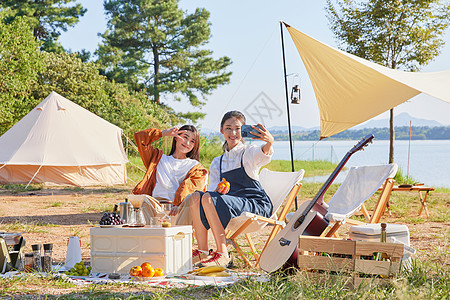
column 239, row 165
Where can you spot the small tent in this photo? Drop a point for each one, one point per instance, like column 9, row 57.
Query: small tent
column 61, row 143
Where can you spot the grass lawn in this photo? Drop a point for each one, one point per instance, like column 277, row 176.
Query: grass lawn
column 427, row 279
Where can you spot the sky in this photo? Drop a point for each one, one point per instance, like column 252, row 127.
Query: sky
column 249, row 33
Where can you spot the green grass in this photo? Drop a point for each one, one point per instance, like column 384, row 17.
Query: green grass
column 428, row 278
column 55, row 204
column 99, row 207
column 20, row 188
column 312, row 168
column 32, row 227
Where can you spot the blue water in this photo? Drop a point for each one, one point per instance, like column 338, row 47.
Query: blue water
column 429, row 161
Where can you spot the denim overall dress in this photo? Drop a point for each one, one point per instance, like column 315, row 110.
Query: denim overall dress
column 245, row 195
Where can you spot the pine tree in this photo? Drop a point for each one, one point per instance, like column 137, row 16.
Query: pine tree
column 50, row 18
column 154, row 45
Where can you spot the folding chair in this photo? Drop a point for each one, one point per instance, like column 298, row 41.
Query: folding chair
column 359, row 185
column 279, row 186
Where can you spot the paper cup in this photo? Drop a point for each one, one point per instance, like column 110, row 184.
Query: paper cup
column 73, row 254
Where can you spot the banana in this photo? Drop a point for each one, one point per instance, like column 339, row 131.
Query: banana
column 196, row 270
column 210, row 269
column 218, row 274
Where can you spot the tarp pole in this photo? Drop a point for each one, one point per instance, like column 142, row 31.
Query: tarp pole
column 33, row 176
column 287, row 105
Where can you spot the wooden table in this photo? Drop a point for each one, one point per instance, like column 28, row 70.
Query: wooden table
column 422, row 198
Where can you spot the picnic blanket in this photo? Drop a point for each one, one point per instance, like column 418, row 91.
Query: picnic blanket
column 178, row 281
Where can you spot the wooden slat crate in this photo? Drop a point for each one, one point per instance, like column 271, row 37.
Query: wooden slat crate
column 355, row 258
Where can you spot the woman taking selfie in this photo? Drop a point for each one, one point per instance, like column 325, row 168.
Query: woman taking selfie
column 239, row 165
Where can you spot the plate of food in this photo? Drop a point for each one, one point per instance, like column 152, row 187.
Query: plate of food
column 110, row 226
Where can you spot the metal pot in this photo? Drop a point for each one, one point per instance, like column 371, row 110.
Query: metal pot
column 125, row 210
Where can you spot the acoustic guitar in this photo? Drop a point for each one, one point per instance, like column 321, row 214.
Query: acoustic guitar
column 307, row 220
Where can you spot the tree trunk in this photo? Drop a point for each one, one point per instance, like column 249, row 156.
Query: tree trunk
column 392, row 136
column 156, row 70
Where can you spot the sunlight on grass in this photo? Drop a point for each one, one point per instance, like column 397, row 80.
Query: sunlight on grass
column 55, row 204
column 312, row 168
column 98, row 207
column 26, row 227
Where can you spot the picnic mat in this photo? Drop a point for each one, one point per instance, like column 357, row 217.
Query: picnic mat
column 179, row 281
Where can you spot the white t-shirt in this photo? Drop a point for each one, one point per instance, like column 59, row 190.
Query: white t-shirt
column 170, row 172
column 254, row 158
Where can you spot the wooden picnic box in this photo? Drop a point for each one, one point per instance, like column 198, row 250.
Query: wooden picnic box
column 319, row 255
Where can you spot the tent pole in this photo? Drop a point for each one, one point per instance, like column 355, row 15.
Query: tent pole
column 33, row 176
column 287, row 106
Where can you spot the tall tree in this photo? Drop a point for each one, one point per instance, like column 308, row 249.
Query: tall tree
column 399, row 34
column 154, row 45
column 20, row 64
column 50, row 18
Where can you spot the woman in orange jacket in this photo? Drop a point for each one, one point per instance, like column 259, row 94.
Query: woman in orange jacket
column 170, row 178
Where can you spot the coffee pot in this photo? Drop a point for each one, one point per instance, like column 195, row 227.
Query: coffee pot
column 126, row 210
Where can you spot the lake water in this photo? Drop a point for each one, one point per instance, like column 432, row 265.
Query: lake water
column 429, row 160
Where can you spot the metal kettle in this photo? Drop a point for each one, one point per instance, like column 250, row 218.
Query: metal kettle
column 125, row 211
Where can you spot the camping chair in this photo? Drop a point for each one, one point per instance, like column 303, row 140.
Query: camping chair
column 359, row 185
column 279, row 186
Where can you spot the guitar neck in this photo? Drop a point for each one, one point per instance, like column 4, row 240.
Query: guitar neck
column 327, row 183
column 336, row 171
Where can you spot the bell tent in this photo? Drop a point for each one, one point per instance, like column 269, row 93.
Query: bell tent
column 61, row 143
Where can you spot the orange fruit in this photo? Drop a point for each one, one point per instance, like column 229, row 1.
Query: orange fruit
column 136, row 271
column 146, row 264
column 223, row 187
column 148, row 271
column 159, row 272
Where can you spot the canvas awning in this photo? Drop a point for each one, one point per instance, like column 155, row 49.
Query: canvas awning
column 351, row 90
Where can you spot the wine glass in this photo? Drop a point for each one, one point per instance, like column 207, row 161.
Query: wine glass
column 138, row 220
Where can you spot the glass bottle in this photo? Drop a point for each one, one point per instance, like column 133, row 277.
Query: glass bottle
column 37, row 266
column 382, row 239
column 28, row 262
column 47, row 260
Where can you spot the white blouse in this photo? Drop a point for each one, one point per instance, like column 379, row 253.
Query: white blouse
column 170, row 173
column 254, row 158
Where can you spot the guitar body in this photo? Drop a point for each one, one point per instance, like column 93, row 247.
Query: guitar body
column 307, row 220
column 280, row 249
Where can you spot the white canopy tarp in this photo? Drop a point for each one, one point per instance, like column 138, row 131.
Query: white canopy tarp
column 59, row 142
column 351, row 90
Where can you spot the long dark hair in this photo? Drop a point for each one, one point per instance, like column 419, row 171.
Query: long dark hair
column 195, row 152
column 231, row 114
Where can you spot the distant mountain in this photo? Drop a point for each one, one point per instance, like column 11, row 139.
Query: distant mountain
column 293, row 128
column 401, row 119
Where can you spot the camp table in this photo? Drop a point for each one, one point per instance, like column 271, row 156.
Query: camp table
column 419, row 188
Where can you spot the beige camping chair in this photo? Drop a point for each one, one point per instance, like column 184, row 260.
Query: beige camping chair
column 280, row 187
column 359, row 185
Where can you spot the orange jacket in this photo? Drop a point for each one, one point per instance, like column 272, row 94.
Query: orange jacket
column 194, row 180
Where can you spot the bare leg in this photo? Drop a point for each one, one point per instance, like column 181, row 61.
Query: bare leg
column 200, row 231
column 214, row 221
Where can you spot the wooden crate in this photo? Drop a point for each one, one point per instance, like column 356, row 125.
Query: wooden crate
column 319, row 255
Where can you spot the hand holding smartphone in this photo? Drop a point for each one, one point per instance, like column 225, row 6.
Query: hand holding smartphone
column 245, row 131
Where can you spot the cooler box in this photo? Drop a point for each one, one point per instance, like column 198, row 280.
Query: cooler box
column 395, row 233
column 117, row 250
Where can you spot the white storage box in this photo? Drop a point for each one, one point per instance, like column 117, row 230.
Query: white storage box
column 117, row 250
column 395, row 233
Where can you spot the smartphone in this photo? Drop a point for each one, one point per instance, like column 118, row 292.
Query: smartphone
column 245, row 131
